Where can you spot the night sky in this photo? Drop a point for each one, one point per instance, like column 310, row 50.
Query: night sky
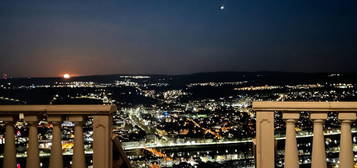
column 84, row 37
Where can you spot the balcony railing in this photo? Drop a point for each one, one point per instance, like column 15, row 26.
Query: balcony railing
column 265, row 148
column 56, row 114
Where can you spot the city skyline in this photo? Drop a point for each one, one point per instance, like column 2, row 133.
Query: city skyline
column 49, row 39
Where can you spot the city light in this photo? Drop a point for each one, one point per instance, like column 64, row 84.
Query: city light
column 194, row 123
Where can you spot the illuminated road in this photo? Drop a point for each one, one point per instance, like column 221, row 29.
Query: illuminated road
column 127, row 146
column 205, row 129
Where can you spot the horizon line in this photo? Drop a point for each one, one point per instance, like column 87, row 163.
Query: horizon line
column 173, row 74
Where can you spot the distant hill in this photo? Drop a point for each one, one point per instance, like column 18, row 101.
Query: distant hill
column 176, row 80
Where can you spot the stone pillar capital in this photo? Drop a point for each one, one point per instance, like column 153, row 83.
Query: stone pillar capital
column 347, row 116
column 318, row 121
column 290, row 121
column 318, row 115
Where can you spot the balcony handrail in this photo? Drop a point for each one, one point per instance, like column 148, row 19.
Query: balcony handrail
column 265, row 140
column 305, row 106
column 59, row 109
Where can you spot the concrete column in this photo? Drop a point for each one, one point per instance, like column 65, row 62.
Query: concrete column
column 291, row 152
column 346, row 153
column 102, row 144
column 33, row 157
column 56, row 159
column 78, row 160
column 318, row 144
column 10, row 148
column 265, row 154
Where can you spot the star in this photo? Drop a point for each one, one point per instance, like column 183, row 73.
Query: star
column 221, row 7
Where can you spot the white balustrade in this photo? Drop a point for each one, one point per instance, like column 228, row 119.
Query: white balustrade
column 102, row 127
column 265, row 149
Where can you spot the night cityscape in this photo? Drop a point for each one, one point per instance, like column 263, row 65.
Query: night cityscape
column 178, row 84
column 196, row 120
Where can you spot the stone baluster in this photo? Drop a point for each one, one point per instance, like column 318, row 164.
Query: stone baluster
column 346, row 153
column 291, row 152
column 10, row 148
column 78, row 160
column 318, row 144
column 56, row 159
column 33, row 157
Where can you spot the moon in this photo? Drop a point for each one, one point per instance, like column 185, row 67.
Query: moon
column 66, row 76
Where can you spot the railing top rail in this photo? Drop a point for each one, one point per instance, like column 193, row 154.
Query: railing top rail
column 305, row 106
column 59, row 109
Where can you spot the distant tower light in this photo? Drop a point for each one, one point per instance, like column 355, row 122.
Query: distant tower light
column 4, row 76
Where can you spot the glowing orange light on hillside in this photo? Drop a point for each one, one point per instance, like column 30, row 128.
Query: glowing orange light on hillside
column 66, row 76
